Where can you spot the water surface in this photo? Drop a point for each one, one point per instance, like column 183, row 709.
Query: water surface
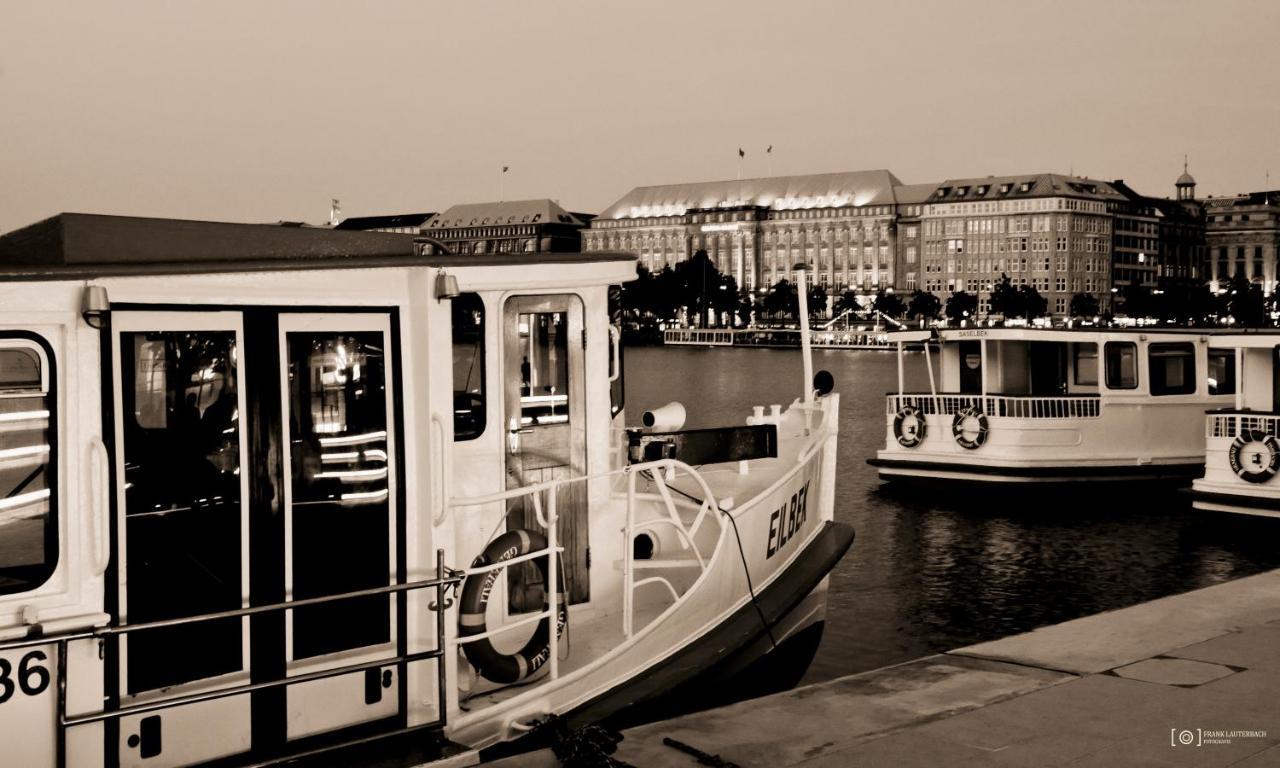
column 931, row 573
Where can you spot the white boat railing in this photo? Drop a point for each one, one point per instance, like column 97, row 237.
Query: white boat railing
column 1232, row 425
column 661, row 474
column 718, row 337
column 1010, row 406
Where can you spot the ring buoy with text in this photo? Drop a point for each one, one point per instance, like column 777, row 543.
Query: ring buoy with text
column 1254, row 456
column 474, row 600
column 962, row 425
column 909, row 426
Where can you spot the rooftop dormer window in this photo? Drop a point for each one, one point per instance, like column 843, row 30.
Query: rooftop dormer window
column 1004, row 188
column 1024, row 187
column 962, row 191
column 982, row 190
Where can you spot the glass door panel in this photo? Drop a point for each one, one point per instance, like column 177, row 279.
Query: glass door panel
column 340, row 516
column 182, row 527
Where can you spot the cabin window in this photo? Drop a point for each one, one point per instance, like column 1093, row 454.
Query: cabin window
column 1085, row 364
column 1222, row 372
column 28, row 503
column 1173, row 369
column 544, row 369
column 468, row 367
column 181, row 444
column 340, row 456
column 1121, row 364
column 617, row 393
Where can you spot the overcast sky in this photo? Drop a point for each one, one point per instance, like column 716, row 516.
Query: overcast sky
column 253, row 111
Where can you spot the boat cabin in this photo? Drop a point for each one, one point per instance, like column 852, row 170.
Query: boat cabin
column 1031, row 404
column 1242, row 455
column 269, row 491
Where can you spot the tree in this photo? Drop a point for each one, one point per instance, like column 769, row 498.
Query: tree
column 1136, row 300
column 889, row 303
column 961, row 306
column 848, row 302
column 699, row 286
column 1244, row 302
column 924, row 305
column 817, row 296
column 782, row 300
column 1033, row 305
column 1084, row 305
column 1005, row 299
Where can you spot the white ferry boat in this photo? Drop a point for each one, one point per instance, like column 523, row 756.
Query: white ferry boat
column 1026, row 405
column 1242, row 454
column 273, row 493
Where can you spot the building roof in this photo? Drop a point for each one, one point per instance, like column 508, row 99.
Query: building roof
column 1185, row 180
column 1271, row 197
column 540, row 211
column 911, row 194
column 1023, row 186
column 84, row 246
column 823, row 190
column 398, row 220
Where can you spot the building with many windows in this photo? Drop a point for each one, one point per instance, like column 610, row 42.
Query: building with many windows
column 844, row 225
column 1242, row 235
column 516, row 226
column 1049, row 231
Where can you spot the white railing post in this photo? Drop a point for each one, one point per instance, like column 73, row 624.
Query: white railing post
column 553, row 585
column 628, row 547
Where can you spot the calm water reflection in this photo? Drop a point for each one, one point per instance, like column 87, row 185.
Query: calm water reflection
column 928, row 574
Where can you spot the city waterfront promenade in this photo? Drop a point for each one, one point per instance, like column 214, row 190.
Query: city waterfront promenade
column 1190, row 679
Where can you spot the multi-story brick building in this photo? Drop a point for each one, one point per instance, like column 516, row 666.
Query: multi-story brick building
column 1048, row 231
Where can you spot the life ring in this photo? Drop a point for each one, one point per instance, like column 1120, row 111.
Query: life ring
column 1256, row 468
column 474, row 600
column 914, row 432
column 958, row 427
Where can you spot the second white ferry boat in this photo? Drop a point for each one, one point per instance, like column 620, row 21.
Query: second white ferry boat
column 1026, row 405
column 1242, row 454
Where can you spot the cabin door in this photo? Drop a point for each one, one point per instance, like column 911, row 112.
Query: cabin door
column 544, row 408
column 255, row 464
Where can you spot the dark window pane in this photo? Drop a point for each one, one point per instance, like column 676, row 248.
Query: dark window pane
column 1122, row 365
column 340, row 488
column 182, row 502
column 468, row 367
column 1173, row 369
column 28, row 527
column 1222, row 372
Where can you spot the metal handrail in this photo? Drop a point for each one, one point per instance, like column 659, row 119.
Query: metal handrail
column 63, row 640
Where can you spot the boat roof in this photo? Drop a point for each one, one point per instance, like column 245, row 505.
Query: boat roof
column 1049, row 334
column 1259, row 338
column 76, row 246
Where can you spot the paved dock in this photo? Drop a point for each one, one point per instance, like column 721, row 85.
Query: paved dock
column 1124, row 688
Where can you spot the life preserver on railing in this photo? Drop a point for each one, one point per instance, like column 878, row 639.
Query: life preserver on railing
column 1254, row 456
column 474, row 600
column 909, row 427
column 970, row 427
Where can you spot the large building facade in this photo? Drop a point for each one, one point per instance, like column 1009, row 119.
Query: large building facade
column 514, row 226
column 844, row 225
column 865, row 230
column 1242, row 235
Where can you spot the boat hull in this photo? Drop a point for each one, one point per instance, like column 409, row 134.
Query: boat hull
column 1024, row 474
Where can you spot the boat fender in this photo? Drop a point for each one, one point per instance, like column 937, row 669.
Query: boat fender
column 909, row 426
column 1258, row 466
column 958, row 428
column 499, row 667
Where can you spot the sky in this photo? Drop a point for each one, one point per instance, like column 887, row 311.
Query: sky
column 264, row 111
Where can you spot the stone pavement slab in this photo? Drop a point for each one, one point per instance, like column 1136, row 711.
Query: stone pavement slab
column 1115, row 638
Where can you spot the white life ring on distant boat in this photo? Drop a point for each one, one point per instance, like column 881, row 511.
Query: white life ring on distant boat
column 909, row 426
column 960, row 427
column 1254, row 464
